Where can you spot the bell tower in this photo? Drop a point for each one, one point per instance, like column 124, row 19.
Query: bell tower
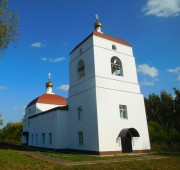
column 106, row 107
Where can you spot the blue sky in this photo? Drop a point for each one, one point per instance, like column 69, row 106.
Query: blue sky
column 50, row 29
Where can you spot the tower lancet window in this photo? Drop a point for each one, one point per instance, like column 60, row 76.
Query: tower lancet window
column 114, row 47
column 116, row 66
column 81, row 69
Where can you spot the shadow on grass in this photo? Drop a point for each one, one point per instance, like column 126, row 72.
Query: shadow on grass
column 168, row 153
column 15, row 147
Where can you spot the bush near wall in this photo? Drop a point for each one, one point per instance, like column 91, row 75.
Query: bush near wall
column 163, row 116
column 12, row 133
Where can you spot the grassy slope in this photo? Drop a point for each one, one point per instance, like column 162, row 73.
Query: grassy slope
column 10, row 160
column 172, row 163
column 81, row 157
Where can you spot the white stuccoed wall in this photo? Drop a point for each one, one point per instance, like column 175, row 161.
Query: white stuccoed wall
column 82, row 93
column 54, row 122
column 100, row 93
column 111, row 91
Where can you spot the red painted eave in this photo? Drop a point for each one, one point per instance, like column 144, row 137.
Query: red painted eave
column 111, row 38
column 49, row 99
column 105, row 36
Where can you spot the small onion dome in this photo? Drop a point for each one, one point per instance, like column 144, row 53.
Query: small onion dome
column 97, row 24
column 49, row 84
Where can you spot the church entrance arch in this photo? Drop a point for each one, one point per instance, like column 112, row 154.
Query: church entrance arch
column 126, row 136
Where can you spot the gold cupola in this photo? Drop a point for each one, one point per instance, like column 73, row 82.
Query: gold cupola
column 49, row 84
column 97, row 25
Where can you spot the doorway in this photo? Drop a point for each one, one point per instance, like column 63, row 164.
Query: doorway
column 126, row 136
column 126, row 143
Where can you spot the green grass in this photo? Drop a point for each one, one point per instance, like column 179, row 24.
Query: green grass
column 12, row 160
column 171, row 163
column 81, row 157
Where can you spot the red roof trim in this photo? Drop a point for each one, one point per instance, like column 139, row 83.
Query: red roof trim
column 105, row 36
column 111, row 38
column 49, row 99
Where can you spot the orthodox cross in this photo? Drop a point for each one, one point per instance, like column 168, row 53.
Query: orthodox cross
column 49, row 76
column 97, row 17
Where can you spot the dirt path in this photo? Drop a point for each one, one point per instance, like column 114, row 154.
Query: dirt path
column 55, row 160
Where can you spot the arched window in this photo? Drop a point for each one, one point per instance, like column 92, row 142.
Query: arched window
column 81, row 69
column 114, row 47
column 116, row 66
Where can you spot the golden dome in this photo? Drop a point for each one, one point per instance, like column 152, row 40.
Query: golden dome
column 97, row 24
column 49, row 84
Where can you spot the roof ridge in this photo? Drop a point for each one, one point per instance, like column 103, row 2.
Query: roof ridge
column 102, row 35
column 111, row 38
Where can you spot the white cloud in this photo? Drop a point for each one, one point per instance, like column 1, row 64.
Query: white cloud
column 3, row 88
column 147, row 83
column 147, row 70
column 44, row 59
column 64, row 87
column 38, row 45
column 162, row 8
column 175, row 71
column 53, row 60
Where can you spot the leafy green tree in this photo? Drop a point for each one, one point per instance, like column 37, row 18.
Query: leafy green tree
column 157, row 133
column 166, row 111
column 177, row 109
column 152, row 105
column 163, row 115
column 8, row 25
column 1, row 120
column 12, row 133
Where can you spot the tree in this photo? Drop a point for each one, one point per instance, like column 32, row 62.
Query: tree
column 1, row 120
column 152, row 107
column 177, row 108
column 8, row 26
column 163, row 115
column 157, row 133
column 166, row 110
column 12, row 133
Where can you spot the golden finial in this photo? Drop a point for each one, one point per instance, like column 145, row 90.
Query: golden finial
column 49, row 84
column 97, row 25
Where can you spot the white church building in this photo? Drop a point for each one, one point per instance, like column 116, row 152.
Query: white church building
column 104, row 112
